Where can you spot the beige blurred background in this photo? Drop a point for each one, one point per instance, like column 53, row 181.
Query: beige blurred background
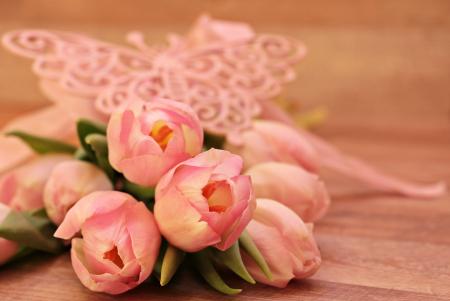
column 384, row 62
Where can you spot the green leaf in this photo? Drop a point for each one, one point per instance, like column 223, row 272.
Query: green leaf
column 158, row 264
column 232, row 259
column 138, row 191
column 43, row 145
column 246, row 242
column 99, row 146
column 172, row 260
column 81, row 154
column 87, row 127
column 203, row 263
column 33, row 230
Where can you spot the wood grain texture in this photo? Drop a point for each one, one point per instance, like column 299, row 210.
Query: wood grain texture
column 381, row 67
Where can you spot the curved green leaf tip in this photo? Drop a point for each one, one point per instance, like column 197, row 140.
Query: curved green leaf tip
column 42, row 145
column 32, row 230
column 99, row 147
column 232, row 259
column 87, row 127
column 172, row 260
column 203, row 263
column 246, row 242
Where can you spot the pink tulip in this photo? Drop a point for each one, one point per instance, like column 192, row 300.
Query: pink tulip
column 69, row 182
column 147, row 139
column 291, row 185
column 120, row 241
column 204, row 201
column 7, row 248
column 286, row 243
column 352, row 167
column 22, row 188
column 273, row 141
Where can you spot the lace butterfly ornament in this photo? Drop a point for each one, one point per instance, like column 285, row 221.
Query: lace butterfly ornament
column 222, row 69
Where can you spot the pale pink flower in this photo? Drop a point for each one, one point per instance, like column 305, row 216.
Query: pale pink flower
column 69, row 182
column 120, row 241
column 22, row 188
column 147, row 139
column 286, row 243
column 347, row 165
column 301, row 191
column 204, row 201
column 7, row 248
column 273, row 141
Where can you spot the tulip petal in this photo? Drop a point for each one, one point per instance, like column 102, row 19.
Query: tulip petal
column 87, row 207
column 271, row 245
column 291, row 185
column 145, row 237
column 79, row 266
column 183, row 229
column 8, row 250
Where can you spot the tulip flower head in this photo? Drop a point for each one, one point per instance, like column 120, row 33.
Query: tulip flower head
column 145, row 140
column 22, row 188
column 286, row 243
column 273, row 141
column 301, row 191
column 204, row 201
column 120, row 241
column 69, row 182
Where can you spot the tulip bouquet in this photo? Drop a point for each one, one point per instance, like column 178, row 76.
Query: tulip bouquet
column 147, row 192
column 157, row 160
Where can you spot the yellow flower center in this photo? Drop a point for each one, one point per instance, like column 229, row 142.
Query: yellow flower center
column 218, row 195
column 161, row 133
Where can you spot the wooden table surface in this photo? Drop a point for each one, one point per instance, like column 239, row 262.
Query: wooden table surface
column 382, row 68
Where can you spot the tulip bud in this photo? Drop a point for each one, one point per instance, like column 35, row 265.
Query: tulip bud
column 272, row 141
column 22, row 188
column 286, row 243
column 120, row 241
column 301, row 191
column 69, row 182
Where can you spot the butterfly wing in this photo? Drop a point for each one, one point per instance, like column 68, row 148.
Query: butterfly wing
column 226, row 83
column 223, row 82
column 74, row 65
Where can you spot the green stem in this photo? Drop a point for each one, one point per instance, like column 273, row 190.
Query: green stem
column 204, row 265
column 246, row 242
